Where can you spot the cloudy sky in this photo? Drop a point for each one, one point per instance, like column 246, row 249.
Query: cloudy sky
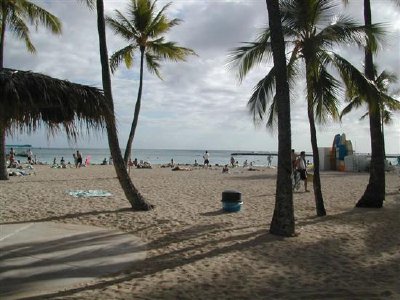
column 200, row 104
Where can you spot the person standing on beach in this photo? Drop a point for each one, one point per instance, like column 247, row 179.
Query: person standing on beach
column 269, row 160
column 12, row 155
column 78, row 159
column 301, row 166
column 30, row 154
column 206, row 157
column 232, row 161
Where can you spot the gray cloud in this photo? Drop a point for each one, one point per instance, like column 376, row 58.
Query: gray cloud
column 200, row 103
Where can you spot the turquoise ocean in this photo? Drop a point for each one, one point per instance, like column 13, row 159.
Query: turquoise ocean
column 154, row 156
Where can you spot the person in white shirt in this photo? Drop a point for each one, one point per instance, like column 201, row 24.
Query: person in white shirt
column 206, row 157
column 301, row 167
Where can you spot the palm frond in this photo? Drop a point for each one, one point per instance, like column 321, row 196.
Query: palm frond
column 168, row 50
column 160, row 24
column 18, row 27
column 246, row 57
column 326, row 89
column 153, row 65
column 29, row 99
column 91, row 4
column 37, row 15
column 262, row 94
column 387, row 117
column 140, row 14
column 354, row 103
column 121, row 26
column 125, row 54
column 356, row 82
column 306, row 15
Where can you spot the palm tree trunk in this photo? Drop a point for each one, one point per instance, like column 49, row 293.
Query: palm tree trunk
column 137, row 110
column 3, row 166
column 3, row 32
column 375, row 191
column 132, row 194
column 319, row 200
column 283, row 218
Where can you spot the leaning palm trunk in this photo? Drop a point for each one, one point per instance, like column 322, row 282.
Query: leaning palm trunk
column 375, row 191
column 319, row 201
column 128, row 149
column 134, row 197
column 283, row 219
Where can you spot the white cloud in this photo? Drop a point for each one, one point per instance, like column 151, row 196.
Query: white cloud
column 199, row 104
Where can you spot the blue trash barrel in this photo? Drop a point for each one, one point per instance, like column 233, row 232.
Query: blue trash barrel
column 231, row 200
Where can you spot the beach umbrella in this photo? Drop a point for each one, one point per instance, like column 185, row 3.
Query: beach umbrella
column 28, row 100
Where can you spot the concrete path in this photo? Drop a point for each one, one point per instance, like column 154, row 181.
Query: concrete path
column 41, row 258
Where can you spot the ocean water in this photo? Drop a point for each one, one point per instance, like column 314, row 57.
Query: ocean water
column 154, row 156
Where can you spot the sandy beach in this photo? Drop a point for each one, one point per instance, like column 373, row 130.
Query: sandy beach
column 196, row 251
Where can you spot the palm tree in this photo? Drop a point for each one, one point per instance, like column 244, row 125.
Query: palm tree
column 132, row 194
column 143, row 29
column 312, row 30
column 283, row 218
column 375, row 192
column 387, row 104
column 14, row 15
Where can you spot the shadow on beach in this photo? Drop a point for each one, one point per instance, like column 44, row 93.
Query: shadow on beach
column 284, row 266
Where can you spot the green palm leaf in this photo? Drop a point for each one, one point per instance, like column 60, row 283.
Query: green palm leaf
column 125, row 54
column 246, row 57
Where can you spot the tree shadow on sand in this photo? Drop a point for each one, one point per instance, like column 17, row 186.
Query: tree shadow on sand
column 330, row 267
column 70, row 216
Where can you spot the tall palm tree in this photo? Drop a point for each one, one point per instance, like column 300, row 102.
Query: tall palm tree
column 374, row 194
column 283, row 218
column 14, row 16
column 143, row 29
column 312, row 29
column 132, row 194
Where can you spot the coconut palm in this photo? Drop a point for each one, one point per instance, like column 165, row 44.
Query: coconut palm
column 312, row 29
column 283, row 218
column 375, row 192
column 387, row 104
column 132, row 194
column 14, row 16
column 143, row 28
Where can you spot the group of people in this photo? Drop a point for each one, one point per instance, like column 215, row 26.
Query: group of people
column 15, row 163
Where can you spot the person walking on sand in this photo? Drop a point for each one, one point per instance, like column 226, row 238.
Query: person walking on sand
column 206, row 157
column 301, row 167
column 78, row 159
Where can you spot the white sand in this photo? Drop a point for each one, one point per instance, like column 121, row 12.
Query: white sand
column 197, row 252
